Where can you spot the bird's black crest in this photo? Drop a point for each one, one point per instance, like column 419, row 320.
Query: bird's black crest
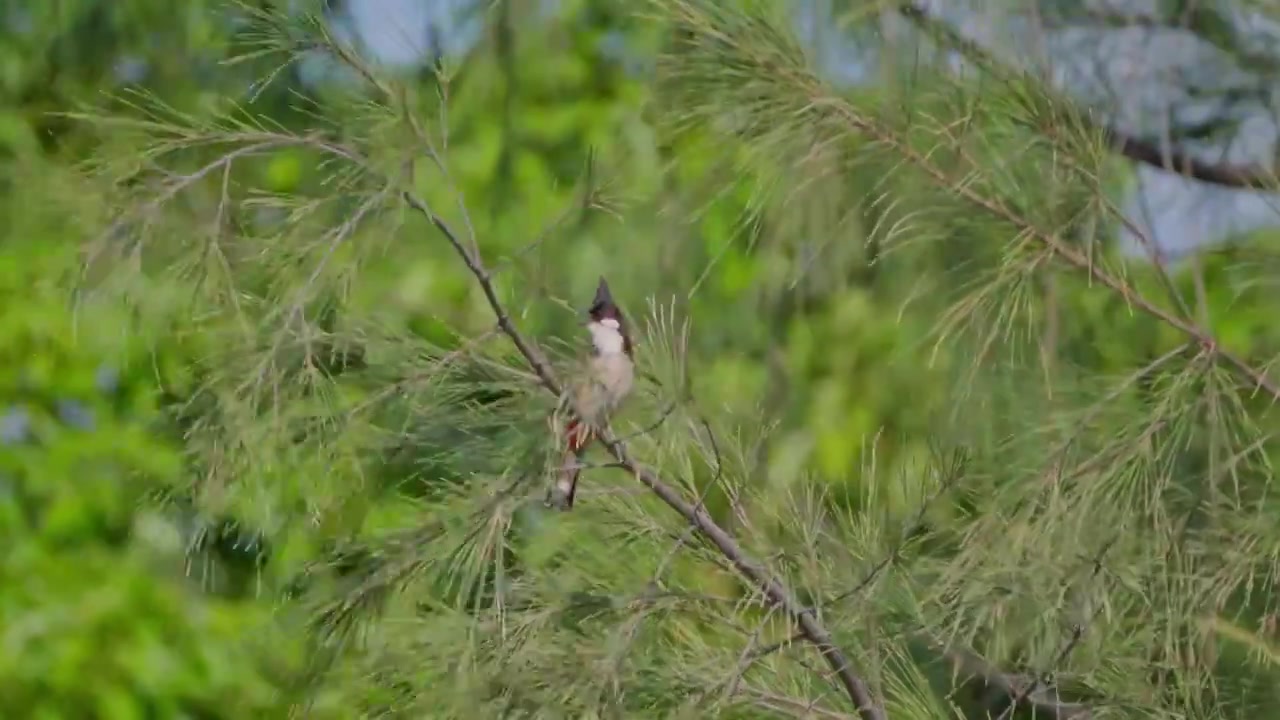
column 603, row 305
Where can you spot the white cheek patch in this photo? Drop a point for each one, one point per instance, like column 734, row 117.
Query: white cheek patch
column 606, row 338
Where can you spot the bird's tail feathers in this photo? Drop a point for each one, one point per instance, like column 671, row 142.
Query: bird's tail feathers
column 560, row 495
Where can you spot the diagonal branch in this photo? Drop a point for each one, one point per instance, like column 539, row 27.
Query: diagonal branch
column 1072, row 256
column 1136, row 149
column 531, row 354
column 777, row 593
column 1045, row 701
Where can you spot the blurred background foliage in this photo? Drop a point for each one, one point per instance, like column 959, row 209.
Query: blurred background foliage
column 253, row 413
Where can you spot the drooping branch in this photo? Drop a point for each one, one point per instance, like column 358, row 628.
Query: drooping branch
column 1072, row 256
column 776, row 72
column 1258, row 377
column 1134, row 148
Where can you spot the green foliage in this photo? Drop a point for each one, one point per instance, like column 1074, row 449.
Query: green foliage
column 265, row 451
column 97, row 617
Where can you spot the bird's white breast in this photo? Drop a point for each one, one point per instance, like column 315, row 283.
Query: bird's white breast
column 606, row 336
column 611, row 371
column 615, row 372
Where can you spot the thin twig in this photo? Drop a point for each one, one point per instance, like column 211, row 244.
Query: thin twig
column 791, row 706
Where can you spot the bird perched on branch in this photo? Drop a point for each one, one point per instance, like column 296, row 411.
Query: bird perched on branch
column 600, row 387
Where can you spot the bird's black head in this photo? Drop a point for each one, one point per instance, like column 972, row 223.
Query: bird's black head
column 604, row 312
column 603, row 305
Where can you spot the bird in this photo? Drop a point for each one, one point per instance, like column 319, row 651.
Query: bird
column 603, row 381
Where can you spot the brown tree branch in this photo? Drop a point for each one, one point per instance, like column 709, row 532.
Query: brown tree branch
column 1044, row 700
column 1072, row 256
column 777, row 593
column 1136, row 149
column 1063, row 251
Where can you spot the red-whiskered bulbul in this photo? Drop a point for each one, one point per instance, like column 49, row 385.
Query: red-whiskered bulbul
column 602, row 384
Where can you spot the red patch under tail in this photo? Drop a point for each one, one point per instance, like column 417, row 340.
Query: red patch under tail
column 577, row 436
